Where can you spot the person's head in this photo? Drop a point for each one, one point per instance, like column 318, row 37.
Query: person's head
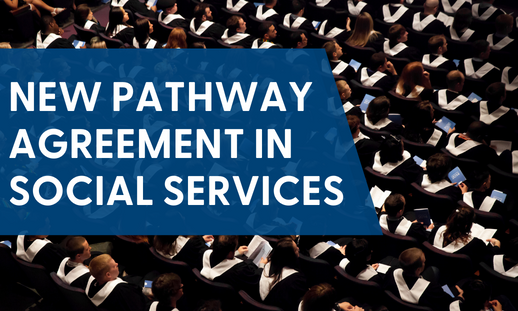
column 168, row 6
column 412, row 75
column 397, row 33
column 203, row 12
column 267, row 31
column 98, row 45
column 116, row 17
column 297, row 7
column 284, row 254
column 319, row 298
column 270, row 3
column 438, row 44
column 391, row 149
column 462, row 19
column 455, row 80
column 431, row 7
column 412, row 261
column 378, row 109
column 479, row 179
column 333, row 50
column 5, row 45
column 378, row 62
column 298, row 40
column 363, row 30
column 78, row 249
column 49, row 25
column 511, row 250
column 82, row 14
column 177, row 39
column 210, row 305
column 504, row 24
column 344, row 90
column 198, row 45
column 458, row 225
column 481, row 49
column 143, row 28
column 226, row 245
column 395, row 205
column 478, row 131
column 438, row 166
column 476, row 294
column 236, row 24
column 165, row 244
column 167, row 288
column 496, row 92
column 103, row 268
column 354, row 125
column 358, row 250
column 424, row 114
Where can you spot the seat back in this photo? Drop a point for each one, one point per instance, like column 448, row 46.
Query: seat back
column 359, row 90
column 490, row 220
column 457, row 49
column 360, row 54
column 317, row 271
column 462, row 121
column 440, row 206
column 395, row 244
column 76, row 297
column 84, row 34
column 393, row 183
column 419, row 39
column 24, row 25
column 395, row 303
column 250, row 304
column 453, row 267
column 133, row 256
column 225, row 14
column 477, row 86
column 374, row 134
column 424, row 151
column 253, row 26
column 502, row 59
column 284, row 35
column 111, row 43
column 9, row 269
column 501, row 179
column 437, row 76
column 318, row 41
column 209, row 42
column 364, row 291
column 165, row 265
column 464, row 164
column 162, row 32
column 398, row 62
column 402, row 105
column 502, row 285
column 314, row 12
column 215, row 290
column 223, row 45
column 382, row 27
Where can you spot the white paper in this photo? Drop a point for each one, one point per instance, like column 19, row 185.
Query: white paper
column 501, row 145
column 383, row 268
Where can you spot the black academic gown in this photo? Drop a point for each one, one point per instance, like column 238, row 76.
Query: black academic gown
column 349, row 72
column 405, row 19
column 274, row 18
column 59, row 43
column 49, row 256
column 509, row 120
column 366, row 149
column 124, row 297
column 503, row 45
column 448, row 64
column 481, row 8
column 435, row 27
column 287, row 293
column 493, row 75
column 307, row 26
column 481, row 153
column 177, row 22
column 81, row 281
column 477, row 198
column 408, row 170
column 474, row 36
column 467, row 107
column 126, row 35
column 410, row 52
column 192, row 252
column 136, row 6
column 416, row 230
column 215, row 30
column 386, row 83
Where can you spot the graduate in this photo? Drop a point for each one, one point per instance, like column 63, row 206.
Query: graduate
column 72, row 270
column 38, row 250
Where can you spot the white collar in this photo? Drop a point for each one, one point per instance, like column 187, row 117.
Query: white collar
column 32, row 250
column 461, row 148
column 379, row 125
column 434, row 187
column 509, row 86
column 410, row 295
column 450, row 248
column 234, row 38
column 213, row 272
column 396, row 49
column 402, row 228
column 498, row 264
column 266, row 281
column 364, row 275
column 386, row 168
column 105, row 291
column 489, row 118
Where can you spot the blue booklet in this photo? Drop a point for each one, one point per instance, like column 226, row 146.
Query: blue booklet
column 78, row 44
column 418, row 160
column 147, row 284
column 331, row 243
column 356, row 65
column 151, row 3
column 422, row 215
column 445, row 124
column 499, row 195
column 474, row 98
column 396, row 118
column 8, row 243
column 456, row 176
column 456, row 61
column 365, row 102
column 258, row 4
column 316, row 24
column 447, row 290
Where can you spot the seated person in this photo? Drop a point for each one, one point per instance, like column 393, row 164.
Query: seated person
column 479, row 195
column 354, row 7
column 376, row 116
column 478, row 67
column 167, row 289
column 394, row 221
column 414, row 82
column 322, row 297
column 281, row 285
column 235, row 33
column 143, row 28
column 364, row 145
column 318, row 248
column 380, row 73
column 359, row 253
column 220, row 265
column 72, row 270
column 117, row 27
column 435, row 180
column 109, row 292
column 500, row 40
column 493, row 112
column 295, row 20
column 135, row 6
column 456, row 236
column 474, row 144
column 202, row 23
column 84, row 17
column 452, row 6
column 269, row 33
column 267, row 13
column 485, row 11
column 168, row 15
column 438, row 46
column 364, row 35
column 507, row 263
column 395, row 12
column 188, row 249
column 338, row 67
column 451, row 98
column 344, row 90
column 395, row 45
column 413, row 284
column 394, row 160
column 427, row 21
column 421, row 128
column 49, row 37
column 476, row 294
column 241, row 6
column 459, row 30
column 38, row 250
column 327, row 28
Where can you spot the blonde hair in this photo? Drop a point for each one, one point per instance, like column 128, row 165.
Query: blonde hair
column 98, row 45
column 5, row 45
column 99, row 266
column 363, row 31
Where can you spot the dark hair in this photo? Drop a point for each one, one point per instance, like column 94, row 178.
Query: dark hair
column 116, row 17
column 435, row 42
column 477, row 177
column 263, row 28
column 479, row 47
column 319, row 297
column 200, row 10
column 395, row 32
column 354, row 123
column 283, row 255
column 297, row 6
column 478, row 131
column 165, row 287
column 378, row 109
column 458, row 225
column 511, row 250
column 142, row 31
column 233, row 24
column 330, row 47
column 438, row 166
column 377, row 60
column 358, row 252
column 81, row 14
column 75, row 247
column 462, row 19
column 476, row 294
column 295, row 38
column 223, row 245
column 495, row 91
column 166, row 244
column 391, row 150
column 410, row 260
column 46, row 20
column 210, row 305
column 394, row 203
